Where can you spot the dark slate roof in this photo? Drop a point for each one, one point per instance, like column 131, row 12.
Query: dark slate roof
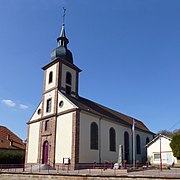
column 95, row 108
column 62, row 51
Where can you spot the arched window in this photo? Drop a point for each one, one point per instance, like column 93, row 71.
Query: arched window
column 68, row 89
column 68, row 83
column 68, row 78
column 138, row 144
column 126, row 146
column 50, row 77
column 147, row 140
column 112, row 139
column 94, row 136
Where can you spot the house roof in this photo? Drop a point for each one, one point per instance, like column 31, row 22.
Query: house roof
column 95, row 108
column 8, row 140
column 156, row 138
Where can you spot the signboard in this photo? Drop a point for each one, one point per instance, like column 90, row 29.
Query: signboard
column 66, row 161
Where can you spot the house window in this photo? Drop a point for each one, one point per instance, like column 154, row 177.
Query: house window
column 46, row 127
column 68, row 78
column 50, row 77
column 112, row 139
column 8, row 137
column 156, row 156
column 138, row 144
column 48, row 105
column 94, row 136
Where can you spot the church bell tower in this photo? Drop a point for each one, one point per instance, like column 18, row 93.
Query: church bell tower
column 61, row 73
column 60, row 76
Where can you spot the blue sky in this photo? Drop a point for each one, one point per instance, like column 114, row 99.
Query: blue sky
column 128, row 51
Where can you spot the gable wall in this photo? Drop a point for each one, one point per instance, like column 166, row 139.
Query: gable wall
column 166, row 151
column 154, row 147
column 67, row 105
column 36, row 115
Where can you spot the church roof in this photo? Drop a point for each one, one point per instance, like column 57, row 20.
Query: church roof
column 100, row 110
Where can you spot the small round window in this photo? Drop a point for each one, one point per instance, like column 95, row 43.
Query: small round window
column 61, row 103
column 39, row 111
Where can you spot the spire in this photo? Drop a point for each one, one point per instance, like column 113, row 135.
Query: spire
column 62, row 51
column 62, row 40
column 63, row 34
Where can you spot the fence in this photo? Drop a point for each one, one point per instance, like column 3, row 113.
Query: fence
column 91, row 169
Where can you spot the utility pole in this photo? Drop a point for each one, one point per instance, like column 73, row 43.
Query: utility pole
column 160, row 153
column 134, row 147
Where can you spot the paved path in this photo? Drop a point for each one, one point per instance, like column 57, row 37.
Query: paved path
column 174, row 172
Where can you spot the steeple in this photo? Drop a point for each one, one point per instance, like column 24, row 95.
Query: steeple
column 62, row 40
column 62, row 51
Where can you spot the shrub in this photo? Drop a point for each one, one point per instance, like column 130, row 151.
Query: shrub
column 11, row 156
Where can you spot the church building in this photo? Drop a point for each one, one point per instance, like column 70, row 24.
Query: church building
column 67, row 128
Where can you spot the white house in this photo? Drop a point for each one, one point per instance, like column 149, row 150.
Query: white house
column 159, row 149
column 68, row 126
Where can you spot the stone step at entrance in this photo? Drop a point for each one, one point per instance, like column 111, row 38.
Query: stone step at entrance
column 40, row 167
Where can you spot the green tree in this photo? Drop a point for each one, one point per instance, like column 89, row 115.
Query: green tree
column 166, row 133
column 169, row 133
column 175, row 145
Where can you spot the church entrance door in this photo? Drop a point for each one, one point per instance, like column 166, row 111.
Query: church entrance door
column 45, row 153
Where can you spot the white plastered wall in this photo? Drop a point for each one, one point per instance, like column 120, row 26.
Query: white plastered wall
column 66, row 69
column 103, row 153
column 86, row 155
column 154, row 148
column 67, row 104
column 63, row 137
column 120, row 130
column 33, row 142
column 36, row 115
column 48, row 85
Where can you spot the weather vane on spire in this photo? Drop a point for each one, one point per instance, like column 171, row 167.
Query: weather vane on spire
column 64, row 14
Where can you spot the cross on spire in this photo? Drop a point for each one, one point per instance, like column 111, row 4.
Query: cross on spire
column 64, row 14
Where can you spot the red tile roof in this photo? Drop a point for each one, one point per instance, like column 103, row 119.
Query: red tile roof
column 8, row 140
